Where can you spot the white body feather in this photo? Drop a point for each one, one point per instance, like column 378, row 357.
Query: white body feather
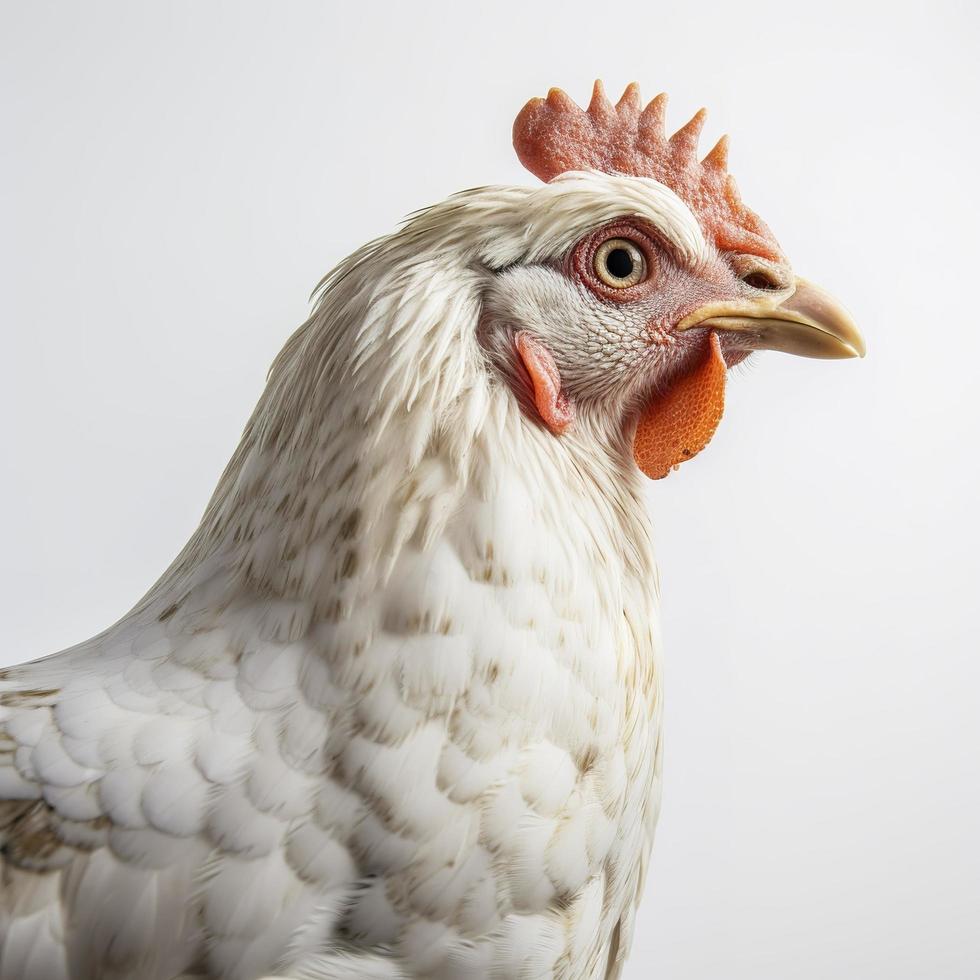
column 395, row 710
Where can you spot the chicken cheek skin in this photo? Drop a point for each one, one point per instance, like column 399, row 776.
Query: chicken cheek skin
column 679, row 422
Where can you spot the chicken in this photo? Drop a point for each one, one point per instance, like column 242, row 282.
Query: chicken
column 394, row 710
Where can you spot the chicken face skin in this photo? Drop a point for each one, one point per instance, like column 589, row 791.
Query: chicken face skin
column 610, row 348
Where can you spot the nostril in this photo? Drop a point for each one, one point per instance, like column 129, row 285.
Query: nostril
column 760, row 280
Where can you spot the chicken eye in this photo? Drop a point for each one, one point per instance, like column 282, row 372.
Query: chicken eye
column 619, row 263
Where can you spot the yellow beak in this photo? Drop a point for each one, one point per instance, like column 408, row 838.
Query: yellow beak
column 808, row 322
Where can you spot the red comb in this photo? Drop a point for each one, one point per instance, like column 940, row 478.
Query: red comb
column 553, row 136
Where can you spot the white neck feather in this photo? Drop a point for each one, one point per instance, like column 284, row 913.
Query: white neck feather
column 382, row 420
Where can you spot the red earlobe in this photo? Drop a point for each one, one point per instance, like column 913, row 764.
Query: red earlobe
column 556, row 411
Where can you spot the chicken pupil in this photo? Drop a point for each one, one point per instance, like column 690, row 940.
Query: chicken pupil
column 619, row 262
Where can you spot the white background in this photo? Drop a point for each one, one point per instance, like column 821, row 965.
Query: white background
column 177, row 176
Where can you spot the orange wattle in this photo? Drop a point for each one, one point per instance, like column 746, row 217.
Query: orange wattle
column 678, row 423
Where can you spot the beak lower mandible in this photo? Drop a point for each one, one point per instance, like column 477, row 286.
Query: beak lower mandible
column 809, row 322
